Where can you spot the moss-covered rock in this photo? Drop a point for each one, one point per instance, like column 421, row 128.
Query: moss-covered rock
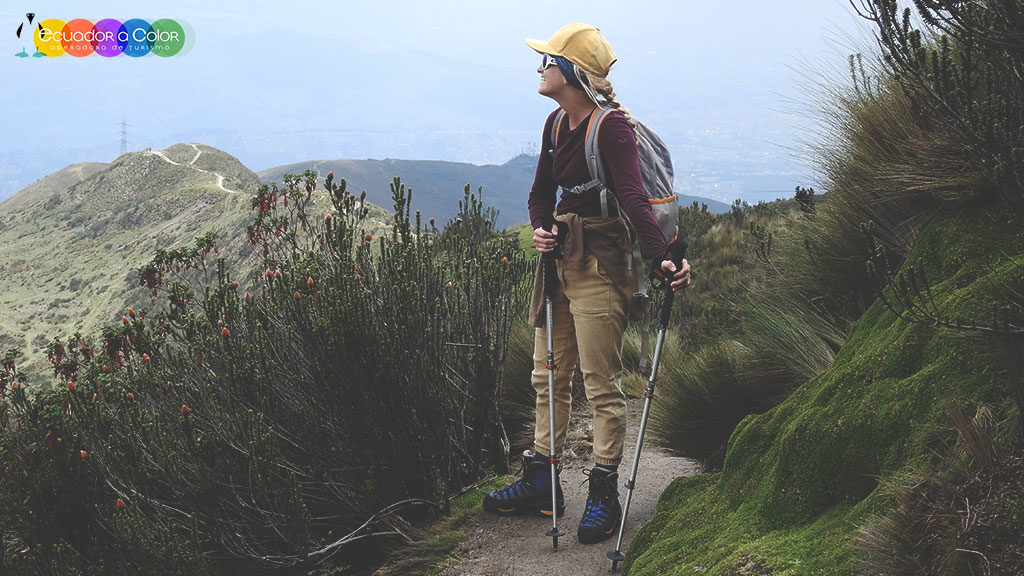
column 799, row 479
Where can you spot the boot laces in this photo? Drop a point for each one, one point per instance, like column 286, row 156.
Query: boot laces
column 525, row 483
column 600, row 495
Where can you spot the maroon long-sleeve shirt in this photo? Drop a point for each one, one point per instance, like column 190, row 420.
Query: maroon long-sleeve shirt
column 566, row 166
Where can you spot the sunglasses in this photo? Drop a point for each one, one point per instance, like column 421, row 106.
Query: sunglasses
column 547, row 61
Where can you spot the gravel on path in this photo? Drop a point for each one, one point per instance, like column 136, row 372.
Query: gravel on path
column 503, row 546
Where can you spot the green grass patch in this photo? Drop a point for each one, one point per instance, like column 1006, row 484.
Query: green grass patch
column 800, row 478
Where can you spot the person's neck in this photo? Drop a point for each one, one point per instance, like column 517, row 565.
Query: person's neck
column 577, row 106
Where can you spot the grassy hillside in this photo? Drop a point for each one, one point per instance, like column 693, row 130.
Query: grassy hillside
column 902, row 454
column 59, row 181
column 71, row 243
column 799, row 479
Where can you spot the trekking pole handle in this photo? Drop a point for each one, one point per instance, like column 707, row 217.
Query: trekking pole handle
column 561, row 232
column 678, row 249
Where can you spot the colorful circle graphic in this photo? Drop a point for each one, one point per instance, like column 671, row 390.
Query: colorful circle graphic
column 132, row 38
column 47, row 37
column 77, row 38
column 105, row 39
column 166, row 38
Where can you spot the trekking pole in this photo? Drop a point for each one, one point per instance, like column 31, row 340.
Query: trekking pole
column 664, row 281
column 550, row 279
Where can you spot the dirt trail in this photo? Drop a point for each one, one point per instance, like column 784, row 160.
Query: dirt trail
column 517, row 546
column 220, row 177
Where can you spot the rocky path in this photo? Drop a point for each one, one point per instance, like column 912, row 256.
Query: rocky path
column 518, row 546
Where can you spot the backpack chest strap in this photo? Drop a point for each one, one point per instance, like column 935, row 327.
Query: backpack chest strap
column 584, row 188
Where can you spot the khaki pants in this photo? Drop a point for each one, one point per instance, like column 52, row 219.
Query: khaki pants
column 589, row 318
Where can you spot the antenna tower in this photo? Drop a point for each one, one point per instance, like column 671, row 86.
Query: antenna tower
column 124, row 136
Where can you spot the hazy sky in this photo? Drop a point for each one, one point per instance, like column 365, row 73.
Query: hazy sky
column 279, row 82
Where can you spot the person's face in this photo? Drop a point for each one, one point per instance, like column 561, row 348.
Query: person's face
column 551, row 79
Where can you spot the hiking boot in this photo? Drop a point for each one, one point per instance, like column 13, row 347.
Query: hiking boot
column 531, row 494
column 602, row 516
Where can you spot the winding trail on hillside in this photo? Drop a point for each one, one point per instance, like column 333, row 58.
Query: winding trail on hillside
column 516, row 546
column 220, row 177
column 189, row 212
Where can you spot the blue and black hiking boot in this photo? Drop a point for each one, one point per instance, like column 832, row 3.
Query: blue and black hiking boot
column 601, row 518
column 531, row 494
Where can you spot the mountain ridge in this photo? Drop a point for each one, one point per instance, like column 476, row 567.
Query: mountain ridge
column 506, row 186
column 70, row 244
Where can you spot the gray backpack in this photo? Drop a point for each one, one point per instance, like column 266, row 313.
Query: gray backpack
column 656, row 169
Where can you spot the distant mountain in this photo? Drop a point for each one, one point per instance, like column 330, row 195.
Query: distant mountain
column 71, row 242
column 438, row 186
column 714, row 206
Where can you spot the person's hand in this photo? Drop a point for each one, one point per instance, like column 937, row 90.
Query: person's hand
column 543, row 240
column 682, row 276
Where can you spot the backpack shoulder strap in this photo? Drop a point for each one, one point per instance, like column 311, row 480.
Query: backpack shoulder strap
column 593, row 153
column 590, row 147
column 556, row 127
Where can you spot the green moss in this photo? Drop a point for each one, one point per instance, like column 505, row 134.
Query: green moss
column 799, row 479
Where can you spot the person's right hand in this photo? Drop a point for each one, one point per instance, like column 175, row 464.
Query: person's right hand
column 543, row 240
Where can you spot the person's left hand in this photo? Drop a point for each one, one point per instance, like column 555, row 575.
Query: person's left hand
column 682, row 276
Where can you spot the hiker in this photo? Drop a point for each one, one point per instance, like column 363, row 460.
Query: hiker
column 595, row 287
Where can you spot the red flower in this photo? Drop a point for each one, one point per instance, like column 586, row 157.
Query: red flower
column 124, row 319
column 131, row 396
column 84, row 454
column 368, row 237
column 504, row 259
column 225, row 332
column 297, row 295
column 358, row 277
column 71, row 385
column 120, row 504
column 234, row 284
column 184, row 409
column 327, row 218
column 145, row 357
column 106, row 368
column 131, row 312
column 309, row 281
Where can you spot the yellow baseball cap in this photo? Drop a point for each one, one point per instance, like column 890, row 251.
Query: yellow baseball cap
column 581, row 44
